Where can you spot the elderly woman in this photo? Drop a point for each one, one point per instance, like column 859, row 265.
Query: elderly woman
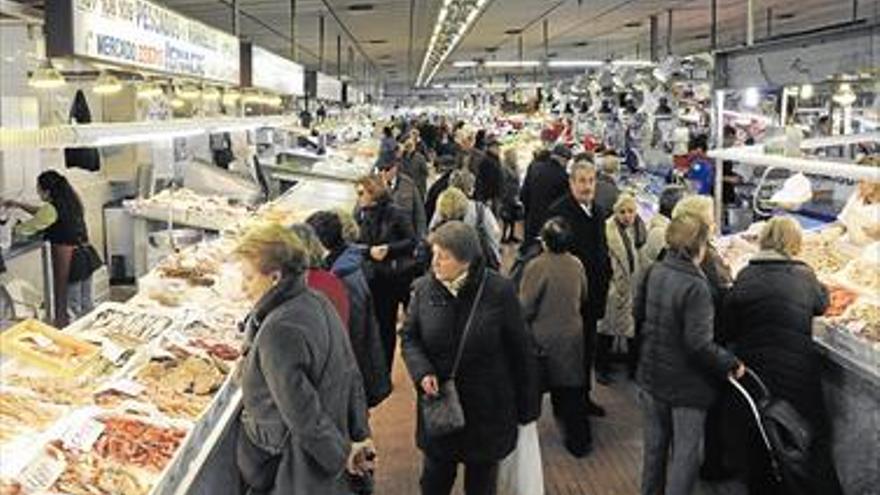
column 553, row 293
column 770, row 325
column 390, row 240
column 453, row 204
column 495, row 378
column 511, row 210
column 304, row 415
column 656, row 236
column 618, row 324
column 680, row 362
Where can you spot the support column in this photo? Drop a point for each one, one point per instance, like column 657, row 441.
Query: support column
column 338, row 55
column 546, row 39
column 669, row 32
column 713, row 33
column 769, row 22
column 321, row 42
column 654, row 41
column 236, row 19
column 750, row 22
column 409, row 51
column 293, row 30
column 519, row 47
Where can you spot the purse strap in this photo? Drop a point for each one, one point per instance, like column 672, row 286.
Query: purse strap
column 467, row 326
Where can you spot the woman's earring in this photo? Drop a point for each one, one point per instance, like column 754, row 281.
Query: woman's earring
column 276, row 277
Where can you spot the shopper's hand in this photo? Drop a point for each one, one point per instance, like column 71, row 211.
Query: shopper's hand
column 738, row 372
column 430, row 385
column 379, row 253
column 362, row 458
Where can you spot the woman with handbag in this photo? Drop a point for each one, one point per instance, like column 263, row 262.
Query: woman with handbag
column 467, row 350
column 553, row 293
column 303, row 423
column 61, row 220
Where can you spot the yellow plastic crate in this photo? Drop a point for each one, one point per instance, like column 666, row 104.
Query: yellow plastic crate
column 43, row 346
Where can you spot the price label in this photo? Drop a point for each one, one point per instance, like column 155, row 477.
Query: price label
column 42, row 473
column 125, row 386
column 82, row 435
column 112, row 352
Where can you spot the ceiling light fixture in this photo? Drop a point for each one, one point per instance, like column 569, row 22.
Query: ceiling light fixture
column 807, row 91
column 845, row 96
column 149, row 90
column 188, row 92
column 575, row 63
column 46, row 77
column 512, row 64
column 107, row 84
column 752, row 97
column 231, row 96
column 211, row 93
column 462, row 64
column 453, row 21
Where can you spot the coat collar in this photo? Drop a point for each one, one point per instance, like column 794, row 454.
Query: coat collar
column 681, row 264
column 286, row 289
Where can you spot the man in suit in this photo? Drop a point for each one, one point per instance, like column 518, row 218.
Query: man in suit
column 587, row 221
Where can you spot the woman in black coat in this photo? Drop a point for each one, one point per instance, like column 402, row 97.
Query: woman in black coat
column 770, row 321
column 496, row 379
column 388, row 234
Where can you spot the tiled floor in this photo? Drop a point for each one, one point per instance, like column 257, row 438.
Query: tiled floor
column 612, row 469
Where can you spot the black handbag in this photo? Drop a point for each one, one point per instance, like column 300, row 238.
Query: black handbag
column 83, row 262
column 443, row 414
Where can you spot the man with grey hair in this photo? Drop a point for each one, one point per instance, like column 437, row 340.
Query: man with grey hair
column 587, row 221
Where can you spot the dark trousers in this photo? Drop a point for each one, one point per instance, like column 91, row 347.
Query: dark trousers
column 590, row 330
column 438, row 477
column 570, row 410
column 388, row 293
column 605, row 354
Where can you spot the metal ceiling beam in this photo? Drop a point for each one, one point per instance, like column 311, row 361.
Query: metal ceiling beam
column 321, row 42
column 21, row 12
column 293, row 30
column 264, row 25
column 236, row 19
column 348, row 33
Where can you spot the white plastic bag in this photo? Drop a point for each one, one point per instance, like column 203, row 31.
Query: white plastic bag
column 521, row 472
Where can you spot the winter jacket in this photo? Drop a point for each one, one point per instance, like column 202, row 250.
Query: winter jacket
column 415, row 165
column 406, row 196
column 489, row 179
column 590, row 247
column 769, row 321
column 656, row 240
column 679, row 360
column 385, row 223
column 332, row 288
column 496, row 379
column 490, row 230
column 607, row 193
column 299, row 376
column 545, row 183
column 363, row 329
column 553, row 293
column 618, row 319
column 511, row 208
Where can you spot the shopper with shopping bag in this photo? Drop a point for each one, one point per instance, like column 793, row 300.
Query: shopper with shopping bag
column 521, row 473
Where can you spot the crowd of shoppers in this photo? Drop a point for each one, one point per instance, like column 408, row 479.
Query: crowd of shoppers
column 599, row 283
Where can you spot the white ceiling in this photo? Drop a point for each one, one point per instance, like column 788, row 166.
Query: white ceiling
column 600, row 23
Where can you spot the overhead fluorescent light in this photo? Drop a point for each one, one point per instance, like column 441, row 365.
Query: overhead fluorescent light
column 46, row 77
column 575, row 63
column 120, row 139
column 149, row 90
column 465, row 63
column 632, row 63
column 449, row 29
column 512, row 63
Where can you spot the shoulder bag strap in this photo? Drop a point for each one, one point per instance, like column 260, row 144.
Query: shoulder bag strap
column 467, row 326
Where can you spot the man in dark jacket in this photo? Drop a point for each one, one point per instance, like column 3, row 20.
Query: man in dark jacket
column 405, row 195
column 590, row 246
column 606, row 184
column 445, row 166
column 345, row 261
column 489, row 178
column 546, row 181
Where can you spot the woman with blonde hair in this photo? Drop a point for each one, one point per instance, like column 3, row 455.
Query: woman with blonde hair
column 618, row 325
column 304, row 415
column 511, row 210
column 770, row 313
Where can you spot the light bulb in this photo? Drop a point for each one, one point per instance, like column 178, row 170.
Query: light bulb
column 807, row 91
column 46, row 77
column 752, row 97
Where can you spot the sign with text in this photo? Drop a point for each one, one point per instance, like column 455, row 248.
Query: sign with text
column 141, row 34
column 276, row 73
column 328, row 88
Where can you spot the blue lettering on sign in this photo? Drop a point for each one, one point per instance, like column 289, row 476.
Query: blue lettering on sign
column 183, row 61
column 111, row 46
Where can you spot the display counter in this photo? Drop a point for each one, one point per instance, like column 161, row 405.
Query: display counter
column 138, row 398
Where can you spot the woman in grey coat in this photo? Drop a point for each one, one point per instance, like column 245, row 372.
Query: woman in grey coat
column 303, row 423
column 553, row 294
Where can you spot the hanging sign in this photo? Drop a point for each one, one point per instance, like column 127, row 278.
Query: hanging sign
column 143, row 35
column 324, row 87
column 271, row 72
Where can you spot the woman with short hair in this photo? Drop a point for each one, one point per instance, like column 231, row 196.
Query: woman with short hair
column 770, row 313
column 553, row 293
column 304, row 417
column 496, row 376
column 680, row 363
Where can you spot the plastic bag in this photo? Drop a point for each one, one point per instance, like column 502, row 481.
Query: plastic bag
column 521, row 472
